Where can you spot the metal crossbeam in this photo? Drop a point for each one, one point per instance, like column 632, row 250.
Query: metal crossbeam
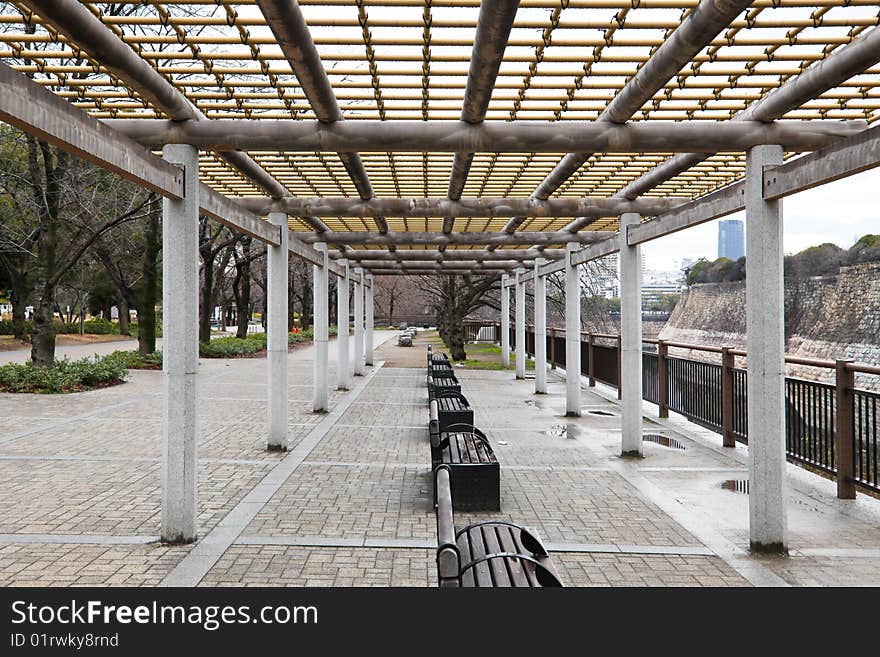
column 517, row 137
column 364, row 238
column 465, row 207
column 696, row 31
column 832, row 71
column 461, row 255
column 493, row 31
column 81, row 27
column 288, row 24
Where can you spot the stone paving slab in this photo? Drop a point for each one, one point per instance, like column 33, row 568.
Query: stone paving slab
column 644, row 570
column 369, row 445
column 825, row 571
column 350, row 501
column 218, row 439
column 270, row 565
column 582, row 507
column 96, row 497
column 86, row 565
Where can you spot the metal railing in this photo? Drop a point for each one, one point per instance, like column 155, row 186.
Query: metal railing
column 829, row 427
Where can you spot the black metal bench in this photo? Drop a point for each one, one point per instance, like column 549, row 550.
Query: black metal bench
column 474, row 469
column 491, row 553
column 452, row 408
column 442, row 384
column 440, row 369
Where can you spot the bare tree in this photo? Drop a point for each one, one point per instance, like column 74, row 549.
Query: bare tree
column 454, row 298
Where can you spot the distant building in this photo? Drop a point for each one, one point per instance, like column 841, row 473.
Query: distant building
column 731, row 239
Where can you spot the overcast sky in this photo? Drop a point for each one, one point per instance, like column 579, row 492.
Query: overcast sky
column 839, row 212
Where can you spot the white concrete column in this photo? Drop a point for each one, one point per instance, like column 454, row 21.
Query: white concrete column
column 572, row 334
column 540, row 329
column 520, row 324
column 765, row 345
column 505, row 321
column 180, row 350
column 368, row 332
column 630, row 341
column 358, row 321
column 321, row 310
column 276, row 335
column 343, row 369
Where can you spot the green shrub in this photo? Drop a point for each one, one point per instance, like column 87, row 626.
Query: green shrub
column 6, row 327
column 232, row 346
column 132, row 360
column 254, row 343
column 63, row 376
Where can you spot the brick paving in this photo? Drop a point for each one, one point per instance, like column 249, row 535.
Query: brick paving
column 80, row 478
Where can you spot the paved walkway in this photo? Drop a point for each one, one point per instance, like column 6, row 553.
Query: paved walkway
column 350, row 504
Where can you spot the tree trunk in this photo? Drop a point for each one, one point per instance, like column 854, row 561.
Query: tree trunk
column 456, row 337
column 18, row 299
column 241, row 288
column 123, row 316
column 206, row 309
column 43, row 335
column 47, row 199
column 146, row 308
column 391, row 310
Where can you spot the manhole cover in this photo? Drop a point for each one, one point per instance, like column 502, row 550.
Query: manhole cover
column 736, row 486
column 605, row 413
column 665, row 441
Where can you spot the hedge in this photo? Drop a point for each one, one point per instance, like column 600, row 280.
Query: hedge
column 97, row 326
column 63, row 376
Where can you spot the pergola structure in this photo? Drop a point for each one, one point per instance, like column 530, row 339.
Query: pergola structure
column 456, row 136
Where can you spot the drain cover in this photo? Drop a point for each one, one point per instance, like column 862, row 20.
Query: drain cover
column 665, row 441
column 736, row 486
column 606, row 413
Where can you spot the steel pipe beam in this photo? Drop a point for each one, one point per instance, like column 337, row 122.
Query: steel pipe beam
column 839, row 66
column 427, row 264
column 465, row 207
column 493, row 30
column 82, row 28
column 701, row 26
column 451, row 255
column 286, row 20
column 439, row 272
column 500, row 137
column 413, row 238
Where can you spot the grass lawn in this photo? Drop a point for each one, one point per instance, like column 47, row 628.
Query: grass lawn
column 479, row 356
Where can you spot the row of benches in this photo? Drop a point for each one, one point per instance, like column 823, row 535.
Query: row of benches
column 467, row 477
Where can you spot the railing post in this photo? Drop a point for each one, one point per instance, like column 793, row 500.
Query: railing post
column 845, row 433
column 727, row 364
column 619, row 370
column 552, row 349
column 663, row 378
column 591, row 360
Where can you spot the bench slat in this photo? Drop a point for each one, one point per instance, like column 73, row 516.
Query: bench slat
column 500, row 574
column 519, row 570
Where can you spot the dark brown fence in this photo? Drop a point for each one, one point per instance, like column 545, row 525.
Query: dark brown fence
column 831, row 427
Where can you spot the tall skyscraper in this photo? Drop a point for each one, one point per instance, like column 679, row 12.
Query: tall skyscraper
column 731, row 239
